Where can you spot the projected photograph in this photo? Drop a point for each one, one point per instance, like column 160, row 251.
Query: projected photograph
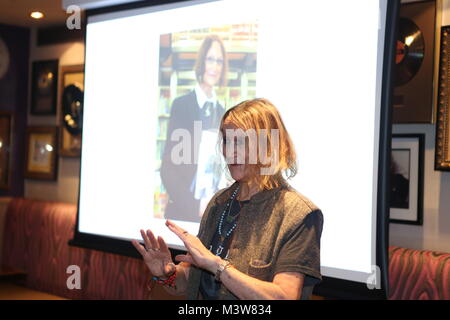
column 202, row 73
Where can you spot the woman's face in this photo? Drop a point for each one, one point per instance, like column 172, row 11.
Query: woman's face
column 237, row 153
column 213, row 65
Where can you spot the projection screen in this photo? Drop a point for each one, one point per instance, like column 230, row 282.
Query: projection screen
column 324, row 64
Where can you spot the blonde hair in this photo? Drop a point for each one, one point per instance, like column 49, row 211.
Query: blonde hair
column 261, row 114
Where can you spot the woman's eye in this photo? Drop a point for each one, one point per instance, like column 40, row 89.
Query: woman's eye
column 235, row 141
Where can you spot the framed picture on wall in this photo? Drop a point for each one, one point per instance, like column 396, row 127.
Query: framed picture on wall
column 413, row 98
column 6, row 123
column 43, row 87
column 71, row 90
column 406, row 179
column 41, row 160
column 442, row 155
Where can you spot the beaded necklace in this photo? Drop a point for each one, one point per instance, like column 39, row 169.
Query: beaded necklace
column 228, row 208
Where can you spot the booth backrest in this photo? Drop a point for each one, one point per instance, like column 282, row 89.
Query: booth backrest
column 35, row 240
column 35, row 237
column 418, row 274
column 4, row 202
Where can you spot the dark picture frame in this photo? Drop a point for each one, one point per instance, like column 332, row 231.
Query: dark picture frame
column 442, row 149
column 414, row 97
column 6, row 139
column 41, row 153
column 69, row 144
column 407, row 178
column 44, row 87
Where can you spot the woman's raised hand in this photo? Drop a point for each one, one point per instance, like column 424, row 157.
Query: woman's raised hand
column 198, row 254
column 156, row 254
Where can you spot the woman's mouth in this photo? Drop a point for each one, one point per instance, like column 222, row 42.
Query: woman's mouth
column 212, row 74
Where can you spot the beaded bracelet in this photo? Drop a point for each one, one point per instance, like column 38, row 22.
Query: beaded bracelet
column 170, row 282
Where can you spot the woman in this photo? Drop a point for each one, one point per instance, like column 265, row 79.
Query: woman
column 259, row 238
column 201, row 106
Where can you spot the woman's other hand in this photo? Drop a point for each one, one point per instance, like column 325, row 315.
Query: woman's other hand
column 198, row 254
column 156, row 254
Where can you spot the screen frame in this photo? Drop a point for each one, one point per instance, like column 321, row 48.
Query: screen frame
column 329, row 287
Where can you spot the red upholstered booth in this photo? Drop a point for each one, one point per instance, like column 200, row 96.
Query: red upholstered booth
column 418, row 274
column 35, row 239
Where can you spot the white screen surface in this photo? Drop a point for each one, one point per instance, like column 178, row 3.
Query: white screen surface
column 320, row 63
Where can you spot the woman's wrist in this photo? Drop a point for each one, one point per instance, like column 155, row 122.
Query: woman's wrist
column 167, row 281
column 218, row 267
column 214, row 264
column 223, row 266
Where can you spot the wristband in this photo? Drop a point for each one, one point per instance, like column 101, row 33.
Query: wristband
column 170, row 281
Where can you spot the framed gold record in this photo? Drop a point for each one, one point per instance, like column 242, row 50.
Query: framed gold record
column 416, row 70
column 44, row 86
column 71, row 95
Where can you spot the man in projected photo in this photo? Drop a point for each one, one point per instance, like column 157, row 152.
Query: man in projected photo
column 182, row 181
column 259, row 238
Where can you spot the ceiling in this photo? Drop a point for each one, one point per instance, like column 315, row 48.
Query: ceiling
column 17, row 12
